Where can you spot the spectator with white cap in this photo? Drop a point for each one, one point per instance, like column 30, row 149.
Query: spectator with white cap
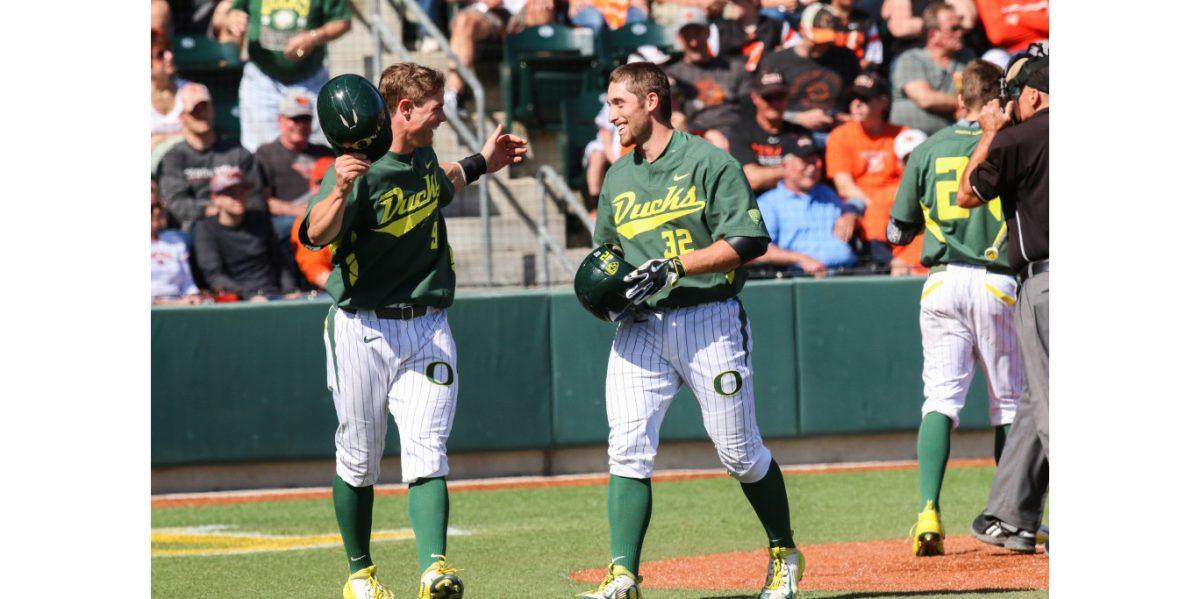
column 184, row 172
column 286, row 164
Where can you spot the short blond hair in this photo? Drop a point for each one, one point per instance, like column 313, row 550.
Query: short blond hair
column 412, row 81
column 642, row 79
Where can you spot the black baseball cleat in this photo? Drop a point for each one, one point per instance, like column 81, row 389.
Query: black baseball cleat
column 1001, row 534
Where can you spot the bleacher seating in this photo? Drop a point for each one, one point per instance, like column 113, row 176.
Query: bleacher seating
column 578, row 128
column 542, row 66
column 614, row 46
column 204, row 60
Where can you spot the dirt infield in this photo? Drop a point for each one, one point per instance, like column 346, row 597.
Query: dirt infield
column 886, row 566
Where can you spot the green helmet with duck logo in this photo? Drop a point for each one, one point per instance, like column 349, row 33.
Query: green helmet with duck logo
column 354, row 117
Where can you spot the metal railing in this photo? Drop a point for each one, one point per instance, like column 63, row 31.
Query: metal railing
column 473, row 139
column 548, row 179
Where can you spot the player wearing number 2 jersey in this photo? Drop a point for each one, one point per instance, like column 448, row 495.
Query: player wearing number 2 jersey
column 967, row 303
column 684, row 210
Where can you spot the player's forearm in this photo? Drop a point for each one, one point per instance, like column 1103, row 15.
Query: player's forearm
column 780, row 257
column 718, row 257
column 330, row 31
column 325, row 219
column 935, row 101
column 762, row 177
column 187, row 208
column 966, row 194
column 847, row 188
column 454, row 172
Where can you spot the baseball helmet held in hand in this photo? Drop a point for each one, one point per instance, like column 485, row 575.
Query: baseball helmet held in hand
column 354, row 117
column 599, row 284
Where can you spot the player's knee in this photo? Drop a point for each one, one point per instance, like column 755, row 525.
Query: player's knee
column 631, row 466
column 948, row 409
column 748, row 469
column 356, row 473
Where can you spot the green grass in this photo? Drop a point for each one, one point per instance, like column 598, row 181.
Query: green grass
column 524, row 543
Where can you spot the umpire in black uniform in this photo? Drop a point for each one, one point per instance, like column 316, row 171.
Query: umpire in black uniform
column 1012, row 161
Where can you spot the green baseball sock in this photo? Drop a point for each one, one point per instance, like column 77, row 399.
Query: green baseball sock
column 1001, row 439
column 768, row 497
column 352, row 506
column 629, row 504
column 933, row 450
column 429, row 515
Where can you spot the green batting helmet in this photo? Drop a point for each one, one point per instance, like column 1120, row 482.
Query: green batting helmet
column 354, row 117
column 599, row 285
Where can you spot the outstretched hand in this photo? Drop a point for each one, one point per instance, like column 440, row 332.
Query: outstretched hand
column 503, row 149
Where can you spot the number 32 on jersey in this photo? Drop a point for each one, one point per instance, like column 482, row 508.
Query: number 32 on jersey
column 678, row 242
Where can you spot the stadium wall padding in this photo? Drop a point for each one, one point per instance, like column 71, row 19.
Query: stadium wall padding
column 246, row 382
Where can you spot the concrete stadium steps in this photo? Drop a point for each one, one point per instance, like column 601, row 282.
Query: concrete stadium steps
column 514, row 192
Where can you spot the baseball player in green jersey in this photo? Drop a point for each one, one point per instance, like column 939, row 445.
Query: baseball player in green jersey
column 683, row 210
column 388, row 344
column 967, row 303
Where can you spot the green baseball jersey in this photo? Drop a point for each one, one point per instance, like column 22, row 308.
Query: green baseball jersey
column 392, row 246
column 690, row 197
column 273, row 22
column 928, row 190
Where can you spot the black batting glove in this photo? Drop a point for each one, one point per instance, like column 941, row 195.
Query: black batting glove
column 652, row 277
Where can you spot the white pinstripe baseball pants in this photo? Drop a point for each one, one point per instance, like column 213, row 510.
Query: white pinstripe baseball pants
column 407, row 367
column 967, row 316
column 706, row 347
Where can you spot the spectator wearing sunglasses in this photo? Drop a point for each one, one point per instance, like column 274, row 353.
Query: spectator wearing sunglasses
column 925, row 80
column 185, row 171
column 286, row 164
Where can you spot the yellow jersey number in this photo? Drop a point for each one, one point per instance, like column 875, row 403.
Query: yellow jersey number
column 947, row 191
column 678, row 241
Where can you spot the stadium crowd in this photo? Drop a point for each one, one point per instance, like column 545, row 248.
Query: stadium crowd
column 819, row 100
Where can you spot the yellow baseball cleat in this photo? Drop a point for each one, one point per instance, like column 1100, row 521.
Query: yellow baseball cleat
column 439, row 581
column 784, row 572
column 928, row 533
column 619, row 584
column 364, row 585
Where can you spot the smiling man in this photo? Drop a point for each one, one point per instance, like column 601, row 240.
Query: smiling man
column 683, row 209
column 388, row 343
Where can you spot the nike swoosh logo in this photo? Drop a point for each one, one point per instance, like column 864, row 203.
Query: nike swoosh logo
column 680, row 177
column 358, row 558
column 368, row 340
column 429, row 165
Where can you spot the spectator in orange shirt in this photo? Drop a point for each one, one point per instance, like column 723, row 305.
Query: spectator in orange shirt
column 1014, row 24
column 861, row 160
column 314, row 266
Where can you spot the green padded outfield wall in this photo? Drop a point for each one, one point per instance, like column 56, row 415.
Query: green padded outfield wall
column 859, row 345
column 247, row 382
